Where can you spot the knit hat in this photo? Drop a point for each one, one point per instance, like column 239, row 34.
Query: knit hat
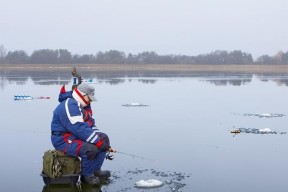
column 81, row 90
column 87, row 90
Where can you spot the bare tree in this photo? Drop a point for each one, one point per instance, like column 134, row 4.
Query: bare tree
column 3, row 53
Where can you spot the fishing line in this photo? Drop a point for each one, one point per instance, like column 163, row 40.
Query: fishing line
column 111, row 157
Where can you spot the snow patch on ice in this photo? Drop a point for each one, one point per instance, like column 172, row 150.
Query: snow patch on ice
column 149, row 183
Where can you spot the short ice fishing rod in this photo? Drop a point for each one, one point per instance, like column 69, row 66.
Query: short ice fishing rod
column 111, row 157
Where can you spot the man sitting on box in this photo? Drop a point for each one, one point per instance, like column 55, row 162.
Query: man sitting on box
column 75, row 137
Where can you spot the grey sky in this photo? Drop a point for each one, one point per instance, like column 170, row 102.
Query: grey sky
column 189, row 27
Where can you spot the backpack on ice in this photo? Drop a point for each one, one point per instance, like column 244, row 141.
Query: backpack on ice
column 57, row 164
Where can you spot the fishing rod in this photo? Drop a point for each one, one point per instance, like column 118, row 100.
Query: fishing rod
column 111, row 157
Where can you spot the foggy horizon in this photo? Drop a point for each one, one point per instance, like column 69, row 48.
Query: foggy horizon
column 166, row 27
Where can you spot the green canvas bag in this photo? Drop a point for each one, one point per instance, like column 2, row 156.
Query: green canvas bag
column 56, row 164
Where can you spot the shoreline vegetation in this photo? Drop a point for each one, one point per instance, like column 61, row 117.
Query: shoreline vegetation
column 185, row 68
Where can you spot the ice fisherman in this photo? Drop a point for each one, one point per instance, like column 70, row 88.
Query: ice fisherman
column 75, row 134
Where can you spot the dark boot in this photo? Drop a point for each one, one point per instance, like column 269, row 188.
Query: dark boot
column 102, row 175
column 90, row 180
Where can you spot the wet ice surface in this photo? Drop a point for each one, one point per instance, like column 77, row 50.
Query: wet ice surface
column 125, row 182
column 172, row 181
column 186, row 128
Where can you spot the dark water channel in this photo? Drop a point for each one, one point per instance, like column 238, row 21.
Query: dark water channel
column 183, row 135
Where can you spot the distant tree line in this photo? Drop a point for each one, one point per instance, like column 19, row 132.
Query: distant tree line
column 63, row 56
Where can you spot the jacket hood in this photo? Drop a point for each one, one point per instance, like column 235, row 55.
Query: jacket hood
column 63, row 95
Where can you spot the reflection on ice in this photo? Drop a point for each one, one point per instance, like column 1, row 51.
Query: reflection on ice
column 94, row 77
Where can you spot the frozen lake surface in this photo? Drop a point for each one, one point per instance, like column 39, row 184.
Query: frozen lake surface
column 183, row 134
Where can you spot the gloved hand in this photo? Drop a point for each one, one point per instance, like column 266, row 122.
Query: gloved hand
column 112, row 150
column 104, row 143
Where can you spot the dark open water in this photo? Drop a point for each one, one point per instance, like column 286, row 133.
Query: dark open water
column 185, row 129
